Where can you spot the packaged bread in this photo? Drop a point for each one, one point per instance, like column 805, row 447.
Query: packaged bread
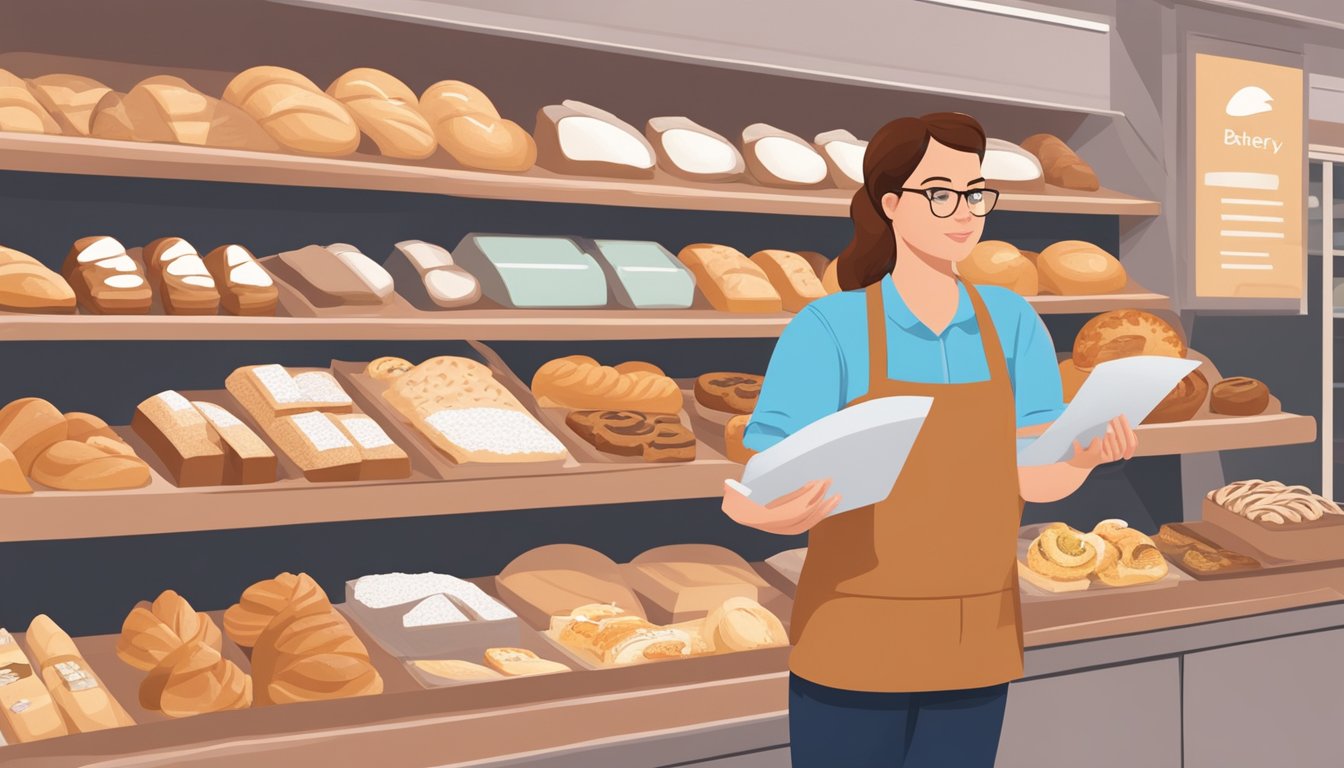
column 529, row 272
column 244, row 287
column 69, row 99
column 247, row 458
column 1182, row 402
column 84, row 701
column 688, row 581
column 1007, row 163
column 1129, row 557
column 1060, row 165
column 780, row 159
column 386, row 111
column 1125, row 333
column 294, row 111
column 380, row 457
column 28, row 427
column 642, row 274
column 580, row 139
column 25, row 703
column 98, row 464
column 730, row 281
column 580, row 382
column 1079, row 268
column 994, row 262
column 520, row 662
column 611, row 637
column 1239, row 396
column 336, row 275
column 20, row 112
column 180, row 436
column 727, row 394
column 164, row 108
column 107, row 281
column 555, row 579
column 792, row 276
column 742, row 624
column 270, row 391
column 26, row 285
column 654, row 437
column 470, row 129
column 688, row 150
column 12, row 479
column 178, row 274
column 426, row 276
column 734, row 433
column 843, row 152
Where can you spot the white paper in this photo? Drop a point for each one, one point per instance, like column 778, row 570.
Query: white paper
column 861, row 449
column 1132, row 386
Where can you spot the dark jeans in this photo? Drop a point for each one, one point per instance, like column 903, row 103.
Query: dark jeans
column 858, row 729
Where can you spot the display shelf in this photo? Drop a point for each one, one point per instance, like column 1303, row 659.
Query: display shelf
column 1225, row 433
column 100, row 157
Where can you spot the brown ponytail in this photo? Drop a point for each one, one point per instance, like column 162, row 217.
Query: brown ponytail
column 891, row 157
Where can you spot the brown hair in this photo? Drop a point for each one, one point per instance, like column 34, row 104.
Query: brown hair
column 891, row 157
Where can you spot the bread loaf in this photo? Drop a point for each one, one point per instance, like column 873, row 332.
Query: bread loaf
column 1239, row 396
column 653, row 437
column 244, row 287
column 733, row 433
column 729, row 280
column 426, row 276
column 28, row 427
column 25, row 703
column 179, row 275
column 111, row 120
column 152, row 631
column 843, row 152
column 1007, row 163
column 456, row 670
column 294, row 111
column 168, row 109
column 1078, row 268
column 994, row 262
column 12, row 479
column 578, row 138
column 580, row 382
column 180, row 436
column 688, row 581
column 95, row 465
column 69, row 99
column 195, row 679
column 106, row 279
column 742, row 624
column 319, row 447
column 1183, row 402
column 269, row 391
column 82, row 426
column 19, row 111
column 1125, row 333
column 386, row 111
column 793, row 278
column 470, row 129
column 26, row 285
column 84, row 701
column 247, row 459
column 380, row 458
column 245, row 620
column 688, row 150
column 780, row 159
column 336, row 275
column 1060, row 165
column 557, row 578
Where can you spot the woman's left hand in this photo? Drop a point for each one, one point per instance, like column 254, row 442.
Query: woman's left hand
column 1119, row 442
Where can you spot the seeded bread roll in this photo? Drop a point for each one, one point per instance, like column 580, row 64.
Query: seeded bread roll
column 731, row 281
column 1239, row 396
column 294, row 111
column 385, row 110
column 792, row 276
column 69, row 99
column 1078, row 268
column 994, row 262
column 20, row 111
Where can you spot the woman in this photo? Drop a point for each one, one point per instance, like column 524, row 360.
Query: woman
column 906, row 623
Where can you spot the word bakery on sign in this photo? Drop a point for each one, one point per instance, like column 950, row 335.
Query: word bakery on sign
column 1233, row 138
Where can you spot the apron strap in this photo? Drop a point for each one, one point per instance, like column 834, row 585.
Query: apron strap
column 989, row 336
column 877, row 337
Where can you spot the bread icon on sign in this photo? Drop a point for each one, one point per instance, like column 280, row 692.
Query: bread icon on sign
column 1251, row 100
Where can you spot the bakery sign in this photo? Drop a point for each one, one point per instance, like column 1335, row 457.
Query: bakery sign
column 1249, row 160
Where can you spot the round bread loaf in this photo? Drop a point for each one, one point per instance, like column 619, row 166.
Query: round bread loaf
column 1239, row 396
column 1078, row 268
column 1125, row 333
column 1071, row 378
column 994, row 262
column 1182, row 402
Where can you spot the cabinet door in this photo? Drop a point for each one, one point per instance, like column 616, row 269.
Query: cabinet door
column 1276, row 702
column 1116, row 717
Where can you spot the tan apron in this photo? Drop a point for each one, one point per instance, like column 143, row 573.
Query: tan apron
column 919, row 592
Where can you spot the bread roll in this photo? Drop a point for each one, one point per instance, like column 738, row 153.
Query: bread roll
column 1078, row 268
column 84, row 700
column 245, row 620
column 69, row 99
column 731, row 281
column 780, row 159
column 1125, row 333
column 387, row 111
column 180, row 436
column 469, row 127
column 82, row 426
column 294, row 111
column 195, row 679
column 19, row 111
column 1060, row 165
column 577, row 138
column 791, row 275
column 244, row 287
column 151, row 631
column 1005, row 163
column 168, row 109
column 742, row 624
column 26, row 285
column 387, row 368
column 454, row 98
column 111, row 119
column 688, row 150
column 1130, row 557
column 1239, row 396
column 106, row 280
column 843, row 152
column 177, row 272
column 580, row 382
column 1183, row 402
column 28, row 427
column 71, row 466
column 994, row 262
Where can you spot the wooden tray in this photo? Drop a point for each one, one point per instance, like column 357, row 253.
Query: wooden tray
column 433, row 642
column 1034, row 592
column 1308, row 541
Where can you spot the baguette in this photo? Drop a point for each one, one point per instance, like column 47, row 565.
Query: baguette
column 179, row 435
column 247, row 459
column 294, row 111
column 25, row 702
column 1062, row 167
column 730, row 281
column 85, row 702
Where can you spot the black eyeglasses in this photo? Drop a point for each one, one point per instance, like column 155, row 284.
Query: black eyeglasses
column 943, row 202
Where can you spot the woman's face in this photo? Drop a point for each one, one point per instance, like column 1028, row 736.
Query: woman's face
column 950, row 238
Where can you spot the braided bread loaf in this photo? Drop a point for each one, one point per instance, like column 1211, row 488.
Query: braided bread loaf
column 579, row 382
column 152, row 631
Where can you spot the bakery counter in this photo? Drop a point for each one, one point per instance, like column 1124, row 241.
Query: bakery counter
column 1205, row 664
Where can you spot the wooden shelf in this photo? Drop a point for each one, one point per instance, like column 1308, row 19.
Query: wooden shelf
column 100, row 157
column 1225, row 433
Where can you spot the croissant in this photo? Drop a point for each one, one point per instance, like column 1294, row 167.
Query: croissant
column 153, row 631
column 245, row 620
column 1063, row 554
column 1130, row 557
column 195, row 679
column 308, row 652
column 579, row 382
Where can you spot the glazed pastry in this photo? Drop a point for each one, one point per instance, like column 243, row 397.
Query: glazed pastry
column 735, row 393
column 153, row 631
column 1063, row 554
column 385, row 368
column 1197, row 556
column 742, row 624
column 1129, row 557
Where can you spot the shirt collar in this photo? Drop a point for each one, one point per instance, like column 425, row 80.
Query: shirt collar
column 898, row 312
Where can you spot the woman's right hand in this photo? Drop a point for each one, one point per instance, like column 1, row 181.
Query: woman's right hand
column 788, row 515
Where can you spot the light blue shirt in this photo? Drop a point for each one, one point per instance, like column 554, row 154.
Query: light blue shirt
column 821, row 361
